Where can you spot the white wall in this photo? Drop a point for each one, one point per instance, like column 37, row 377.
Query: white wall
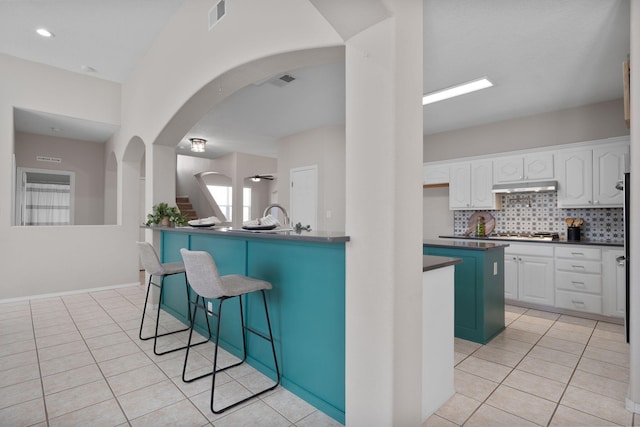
column 38, row 260
column 437, row 218
column 596, row 121
column 324, row 147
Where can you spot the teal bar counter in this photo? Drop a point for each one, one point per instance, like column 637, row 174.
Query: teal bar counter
column 306, row 304
column 478, row 286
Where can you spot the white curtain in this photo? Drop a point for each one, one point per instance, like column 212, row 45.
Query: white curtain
column 46, row 204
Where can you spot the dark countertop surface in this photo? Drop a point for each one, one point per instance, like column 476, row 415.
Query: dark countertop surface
column 432, row 262
column 619, row 243
column 466, row 244
column 303, row 236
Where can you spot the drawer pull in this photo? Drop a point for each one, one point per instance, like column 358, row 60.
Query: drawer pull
column 578, row 266
column 577, row 253
column 578, row 284
column 580, row 303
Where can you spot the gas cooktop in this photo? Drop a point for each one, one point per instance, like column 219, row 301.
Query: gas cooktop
column 544, row 236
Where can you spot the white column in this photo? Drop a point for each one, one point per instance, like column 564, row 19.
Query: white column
column 633, row 398
column 384, row 220
column 161, row 168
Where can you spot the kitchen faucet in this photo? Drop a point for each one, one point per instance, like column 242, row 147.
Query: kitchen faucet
column 275, row 205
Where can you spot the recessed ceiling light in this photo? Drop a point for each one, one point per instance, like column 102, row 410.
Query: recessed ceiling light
column 456, row 90
column 44, row 32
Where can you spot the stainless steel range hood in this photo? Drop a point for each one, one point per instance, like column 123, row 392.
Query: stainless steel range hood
column 526, row 187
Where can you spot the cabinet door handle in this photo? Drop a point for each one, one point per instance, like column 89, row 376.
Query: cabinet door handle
column 515, row 258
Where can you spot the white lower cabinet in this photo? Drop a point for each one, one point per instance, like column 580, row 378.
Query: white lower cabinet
column 614, row 278
column 583, row 278
column 528, row 272
column 579, row 278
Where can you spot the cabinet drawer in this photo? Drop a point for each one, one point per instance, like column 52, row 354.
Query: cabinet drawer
column 579, row 266
column 578, row 252
column 578, row 301
column 579, row 282
column 538, row 249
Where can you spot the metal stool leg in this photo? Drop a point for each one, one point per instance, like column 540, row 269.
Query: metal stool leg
column 244, row 328
column 156, row 334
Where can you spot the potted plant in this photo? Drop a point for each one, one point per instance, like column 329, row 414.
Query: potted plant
column 164, row 215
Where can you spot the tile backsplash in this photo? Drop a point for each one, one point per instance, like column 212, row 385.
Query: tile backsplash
column 538, row 212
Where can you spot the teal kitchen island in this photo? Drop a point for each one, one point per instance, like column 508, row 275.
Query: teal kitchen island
column 478, row 286
column 306, row 304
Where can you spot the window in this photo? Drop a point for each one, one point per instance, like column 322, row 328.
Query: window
column 246, row 204
column 44, row 197
column 223, row 196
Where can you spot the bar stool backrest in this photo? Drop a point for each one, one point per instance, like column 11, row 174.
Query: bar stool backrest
column 149, row 258
column 203, row 274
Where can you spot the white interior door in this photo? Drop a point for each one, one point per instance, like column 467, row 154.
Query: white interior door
column 304, row 196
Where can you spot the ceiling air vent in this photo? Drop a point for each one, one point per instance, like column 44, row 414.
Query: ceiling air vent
column 216, row 13
column 283, row 80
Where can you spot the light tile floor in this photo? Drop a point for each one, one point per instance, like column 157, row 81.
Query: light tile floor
column 77, row 361
column 544, row 369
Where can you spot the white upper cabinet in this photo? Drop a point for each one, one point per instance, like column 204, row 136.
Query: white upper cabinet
column 460, row 186
column 609, row 166
column 574, row 172
column 587, row 177
column 481, row 184
column 470, row 185
column 529, row 167
column 435, row 174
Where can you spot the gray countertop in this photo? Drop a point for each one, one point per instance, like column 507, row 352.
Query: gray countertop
column 433, row 262
column 465, row 244
column 619, row 243
column 303, row 236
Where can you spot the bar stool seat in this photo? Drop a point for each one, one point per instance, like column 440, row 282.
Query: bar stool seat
column 154, row 267
column 206, row 282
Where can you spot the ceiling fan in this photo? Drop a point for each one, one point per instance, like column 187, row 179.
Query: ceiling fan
column 257, row 178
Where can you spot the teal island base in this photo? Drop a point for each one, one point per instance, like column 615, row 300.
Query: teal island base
column 306, row 306
column 478, row 287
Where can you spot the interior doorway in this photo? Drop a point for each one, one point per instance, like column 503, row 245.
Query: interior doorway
column 304, row 196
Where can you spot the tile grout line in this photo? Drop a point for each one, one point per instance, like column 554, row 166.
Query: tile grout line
column 35, row 343
column 484, row 402
column 572, row 374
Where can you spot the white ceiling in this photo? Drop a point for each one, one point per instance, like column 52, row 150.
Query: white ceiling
column 542, row 55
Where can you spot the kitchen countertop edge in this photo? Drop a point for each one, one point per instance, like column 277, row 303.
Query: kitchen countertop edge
column 433, row 262
column 464, row 244
column 562, row 242
column 304, row 236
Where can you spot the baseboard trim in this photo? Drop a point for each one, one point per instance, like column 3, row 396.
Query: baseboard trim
column 66, row 293
column 574, row 313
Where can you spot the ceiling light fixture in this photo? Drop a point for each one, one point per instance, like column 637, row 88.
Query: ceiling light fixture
column 255, row 178
column 197, row 144
column 44, row 32
column 456, row 90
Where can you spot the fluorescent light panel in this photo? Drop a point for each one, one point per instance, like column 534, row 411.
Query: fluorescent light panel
column 456, row 90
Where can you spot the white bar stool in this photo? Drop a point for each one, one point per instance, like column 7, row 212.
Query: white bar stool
column 154, row 267
column 206, row 282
